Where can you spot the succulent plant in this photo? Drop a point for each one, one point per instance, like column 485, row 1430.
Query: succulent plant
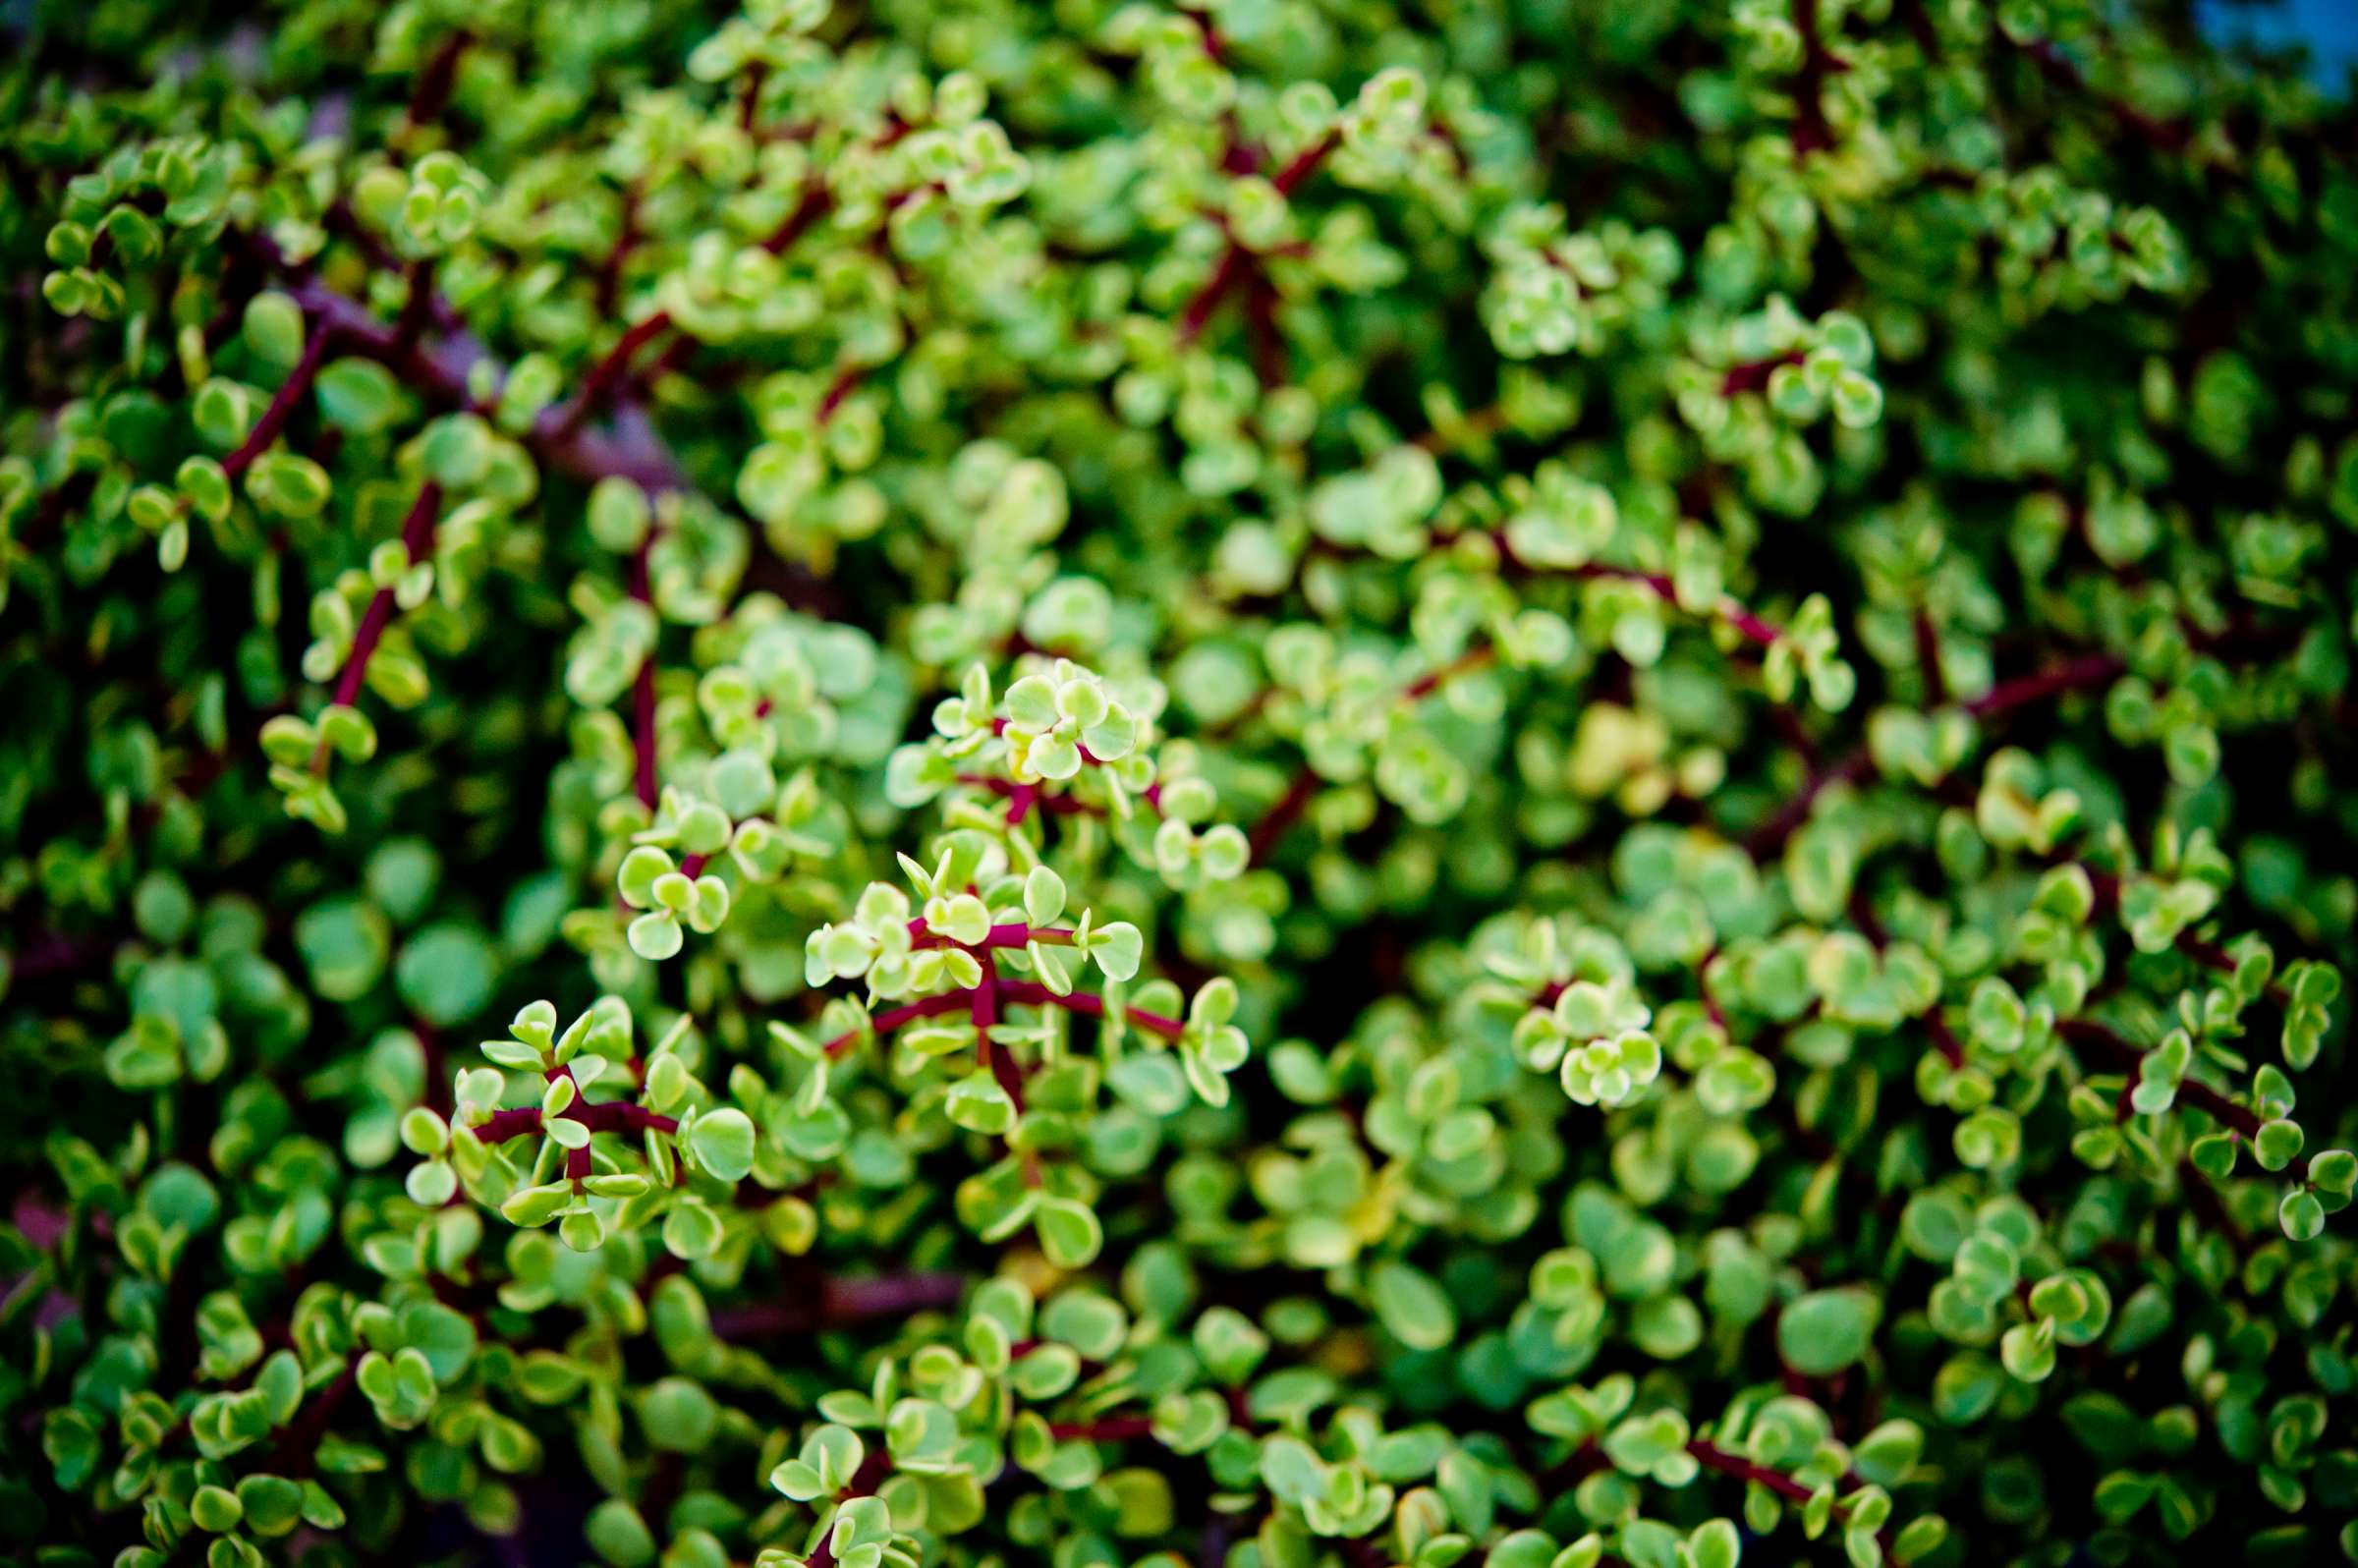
column 1259, row 785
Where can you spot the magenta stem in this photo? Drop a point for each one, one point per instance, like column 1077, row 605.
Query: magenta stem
column 2093, row 669
column 1272, row 828
column 610, row 369
column 418, row 537
column 1281, row 816
column 1306, row 162
column 1106, row 1429
column 891, row 1019
column 642, row 685
column 1770, row 836
column 2243, row 1121
column 1088, row 1005
column 282, row 405
column 611, row 1117
column 922, row 936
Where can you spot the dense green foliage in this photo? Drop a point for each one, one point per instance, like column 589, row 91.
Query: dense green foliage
column 1309, row 784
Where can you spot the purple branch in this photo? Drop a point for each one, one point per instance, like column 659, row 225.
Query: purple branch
column 891, row 1019
column 923, row 935
column 297, row 1447
column 609, row 369
column 1770, row 836
column 1306, row 162
column 1752, row 374
column 2241, row 1120
column 441, row 374
column 1751, row 626
column 1272, row 828
column 1104, row 1429
column 1713, row 1457
column 432, row 93
column 815, row 203
column 1198, row 314
column 1090, row 1005
column 2093, row 669
column 841, row 1303
column 2168, row 135
column 643, row 685
column 418, row 537
column 282, row 406
column 506, row 1124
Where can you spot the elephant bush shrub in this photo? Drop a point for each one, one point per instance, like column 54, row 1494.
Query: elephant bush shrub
column 1277, row 784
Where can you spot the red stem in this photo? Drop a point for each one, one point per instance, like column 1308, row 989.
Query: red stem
column 2093, row 669
column 1270, row 362
column 840, row 1303
column 1944, row 1038
column 983, row 1001
column 418, row 537
column 297, row 1447
column 1919, row 19
column 2106, row 888
column 815, row 205
column 418, row 309
column 748, row 100
column 643, row 732
column 1281, row 816
column 1928, row 659
column 893, row 1018
column 1271, row 829
column 1306, row 162
column 1213, row 45
column 851, row 1299
column 643, row 687
column 635, row 1118
column 1770, row 836
column 1752, row 628
column 982, row 1007
column 2167, row 136
column 1006, row 1070
column 1713, row 1457
column 612, row 1116
column 442, row 376
column 610, row 369
column 1088, row 1005
column 1810, row 132
column 2212, row 955
column 53, row 953
column 847, row 381
column 433, row 92
column 608, row 287
column 1474, row 658
column 1104, row 1429
column 2240, row 1119
column 921, row 936
column 1753, row 375
column 1197, row 314
column 1021, row 798
column 282, row 405
column 514, row 1122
